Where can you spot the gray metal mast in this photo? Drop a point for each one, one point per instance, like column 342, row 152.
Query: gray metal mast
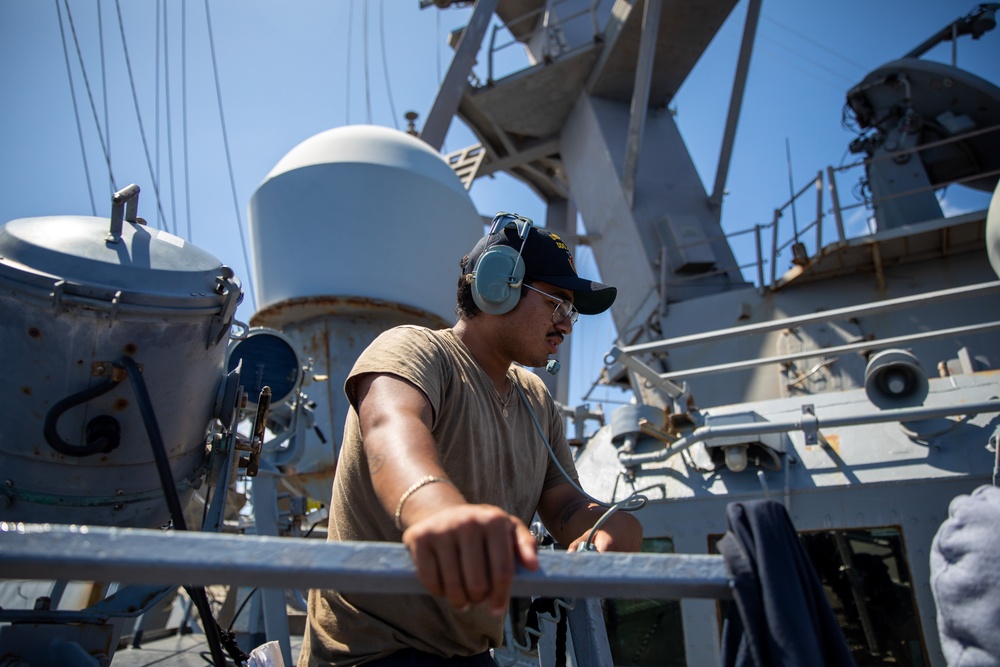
column 588, row 128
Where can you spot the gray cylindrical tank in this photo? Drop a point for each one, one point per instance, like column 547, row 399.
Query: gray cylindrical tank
column 77, row 297
column 355, row 230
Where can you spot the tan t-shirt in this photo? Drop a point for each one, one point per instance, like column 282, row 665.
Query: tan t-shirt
column 492, row 459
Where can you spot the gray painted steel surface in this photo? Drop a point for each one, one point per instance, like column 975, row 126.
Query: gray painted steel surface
column 74, row 300
column 148, row 556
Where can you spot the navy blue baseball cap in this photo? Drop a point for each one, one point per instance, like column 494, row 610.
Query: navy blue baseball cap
column 547, row 259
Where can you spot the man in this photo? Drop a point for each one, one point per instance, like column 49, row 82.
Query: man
column 443, row 450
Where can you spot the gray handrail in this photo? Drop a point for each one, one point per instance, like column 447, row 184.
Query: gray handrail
column 144, row 556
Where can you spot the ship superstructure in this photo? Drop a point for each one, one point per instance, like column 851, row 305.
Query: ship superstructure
column 852, row 378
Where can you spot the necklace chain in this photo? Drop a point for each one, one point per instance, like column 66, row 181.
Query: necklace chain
column 504, row 400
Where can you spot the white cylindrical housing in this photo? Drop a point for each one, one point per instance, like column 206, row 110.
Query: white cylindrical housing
column 362, row 211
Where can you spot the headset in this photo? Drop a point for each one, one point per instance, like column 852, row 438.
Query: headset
column 498, row 274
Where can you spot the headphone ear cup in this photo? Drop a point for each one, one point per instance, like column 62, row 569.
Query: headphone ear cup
column 496, row 288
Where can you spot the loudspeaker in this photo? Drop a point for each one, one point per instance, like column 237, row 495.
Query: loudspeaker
column 497, row 276
column 895, row 379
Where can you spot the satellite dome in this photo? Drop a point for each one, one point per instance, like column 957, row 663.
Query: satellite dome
column 362, row 211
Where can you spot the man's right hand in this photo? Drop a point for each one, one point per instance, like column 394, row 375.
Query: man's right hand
column 468, row 554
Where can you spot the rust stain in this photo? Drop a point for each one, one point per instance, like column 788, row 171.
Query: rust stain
column 34, row 332
column 305, row 308
column 131, row 348
column 26, row 390
column 834, row 442
column 120, row 404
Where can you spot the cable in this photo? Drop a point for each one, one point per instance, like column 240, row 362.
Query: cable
column 242, row 605
column 138, row 114
column 555, row 616
column 630, row 504
column 385, row 62
column 833, row 84
column 184, row 120
column 588, row 545
column 437, row 43
column 213, row 633
column 208, row 501
column 368, row 87
column 848, row 80
column 90, row 96
column 104, row 75
column 170, row 139
column 806, row 38
column 76, row 110
column 98, row 440
column 229, row 159
column 774, row 458
column 350, row 34
column 156, row 100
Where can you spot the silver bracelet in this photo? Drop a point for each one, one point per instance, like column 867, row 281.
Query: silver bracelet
column 430, row 479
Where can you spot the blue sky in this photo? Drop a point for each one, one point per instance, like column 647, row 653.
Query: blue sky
column 288, row 70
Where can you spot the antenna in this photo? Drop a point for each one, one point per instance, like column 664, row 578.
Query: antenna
column 791, row 188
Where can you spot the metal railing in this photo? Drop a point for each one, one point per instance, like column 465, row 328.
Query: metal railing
column 628, row 355
column 146, row 561
column 808, row 240
column 552, row 49
column 798, row 236
column 143, row 556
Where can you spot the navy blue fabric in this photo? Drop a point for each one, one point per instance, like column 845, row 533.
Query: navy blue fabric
column 414, row 658
column 779, row 614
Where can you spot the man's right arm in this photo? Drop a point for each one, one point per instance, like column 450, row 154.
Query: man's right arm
column 464, row 553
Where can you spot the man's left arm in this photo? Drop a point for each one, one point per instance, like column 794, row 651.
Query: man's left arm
column 569, row 516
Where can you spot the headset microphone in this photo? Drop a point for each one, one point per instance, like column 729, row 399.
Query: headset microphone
column 552, row 367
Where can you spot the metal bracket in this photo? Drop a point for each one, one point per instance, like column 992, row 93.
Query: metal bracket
column 56, row 295
column 116, row 301
column 227, row 284
column 810, row 425
column 639, row 367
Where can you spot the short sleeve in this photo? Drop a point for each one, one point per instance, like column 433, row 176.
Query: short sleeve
column 408, row 352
